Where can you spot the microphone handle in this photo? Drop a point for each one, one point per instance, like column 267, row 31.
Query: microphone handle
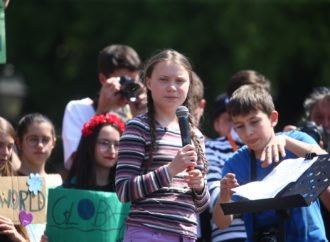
column 184, row 129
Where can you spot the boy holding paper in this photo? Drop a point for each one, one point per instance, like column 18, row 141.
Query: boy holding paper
column 254, row 118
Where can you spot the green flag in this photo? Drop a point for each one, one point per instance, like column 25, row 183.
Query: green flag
column 2, row 34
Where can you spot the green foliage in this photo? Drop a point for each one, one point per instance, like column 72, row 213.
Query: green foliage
column 54, row 44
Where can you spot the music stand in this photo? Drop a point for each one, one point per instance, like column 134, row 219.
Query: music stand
column 297, row 194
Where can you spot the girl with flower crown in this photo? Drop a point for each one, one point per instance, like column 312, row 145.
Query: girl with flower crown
column 94, row 163
column 154, row 172
column 8, row 231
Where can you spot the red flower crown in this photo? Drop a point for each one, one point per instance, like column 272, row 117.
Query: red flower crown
column 102, row 119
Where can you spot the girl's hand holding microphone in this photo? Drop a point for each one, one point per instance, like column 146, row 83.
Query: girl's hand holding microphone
column 186, row 158
column 195, row 180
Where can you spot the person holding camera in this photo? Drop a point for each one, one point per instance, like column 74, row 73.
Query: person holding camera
column 317, row 109
column 254, row 118
column 317, row 124
column 121, row 92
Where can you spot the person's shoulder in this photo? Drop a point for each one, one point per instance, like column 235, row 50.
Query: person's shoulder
column 139, row 121
column 142, row 118
column 72, row 183
column 299, row 135
column 80, row 103
column 240, row 155
column 219, row 142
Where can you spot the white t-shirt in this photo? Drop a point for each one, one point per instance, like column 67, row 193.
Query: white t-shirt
column 35, row 231
column 77, row 112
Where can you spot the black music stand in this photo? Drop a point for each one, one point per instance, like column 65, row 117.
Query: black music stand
column 297, row 194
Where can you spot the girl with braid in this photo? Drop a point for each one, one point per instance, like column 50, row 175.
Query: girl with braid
column 154, row 172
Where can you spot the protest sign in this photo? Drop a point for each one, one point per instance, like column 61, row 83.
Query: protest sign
column 23, row 199
column 83, row 215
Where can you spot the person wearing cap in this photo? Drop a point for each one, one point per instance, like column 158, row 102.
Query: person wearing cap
column 221, row 120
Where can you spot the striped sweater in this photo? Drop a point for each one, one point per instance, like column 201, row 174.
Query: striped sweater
column 159, row 201
column 217, row 151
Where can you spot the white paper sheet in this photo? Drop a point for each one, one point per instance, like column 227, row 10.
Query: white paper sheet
column 284, row 173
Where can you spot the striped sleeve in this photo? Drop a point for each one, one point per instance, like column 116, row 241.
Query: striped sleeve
column 131, row 184
column 201, row 200
column 216, row 152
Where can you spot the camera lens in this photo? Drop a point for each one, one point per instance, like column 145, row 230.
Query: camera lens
column 129, row 88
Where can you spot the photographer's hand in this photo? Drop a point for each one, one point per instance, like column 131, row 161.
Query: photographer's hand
column 110, row 97
column 140, row 104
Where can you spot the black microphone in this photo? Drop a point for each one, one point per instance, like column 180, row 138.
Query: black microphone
column 182, row 113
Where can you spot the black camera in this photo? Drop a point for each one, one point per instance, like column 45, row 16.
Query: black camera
column 266, row 236
column 129, row 88
column 318, row 133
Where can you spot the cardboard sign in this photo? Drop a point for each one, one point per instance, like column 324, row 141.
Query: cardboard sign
column 23, row 199
column 83, row 215
column 2, row 34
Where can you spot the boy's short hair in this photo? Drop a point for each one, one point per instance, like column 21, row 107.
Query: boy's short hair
column 247, row 77
column 114, row 57
column 250, row 98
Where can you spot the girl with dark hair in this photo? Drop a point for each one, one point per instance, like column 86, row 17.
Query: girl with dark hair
column 94, row 163
column 8, row 231
column 154, row 172
column 35, row 141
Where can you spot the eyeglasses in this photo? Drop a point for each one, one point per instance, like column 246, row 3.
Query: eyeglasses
column 34, row 140
column 105, row 145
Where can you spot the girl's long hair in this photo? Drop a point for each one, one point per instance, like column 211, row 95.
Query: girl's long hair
column 7, row 129
column 83, row 167
column 7, row 169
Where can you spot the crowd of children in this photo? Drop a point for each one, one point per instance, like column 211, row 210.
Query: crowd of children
column 134, row 148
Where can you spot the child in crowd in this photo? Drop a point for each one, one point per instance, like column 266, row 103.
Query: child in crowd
column 94, row 164
column 222, row 123
column 221, row 148
column 217, row 151
column 8, row 231
column 35, row 141
column 154, row 171
column 254, row 118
